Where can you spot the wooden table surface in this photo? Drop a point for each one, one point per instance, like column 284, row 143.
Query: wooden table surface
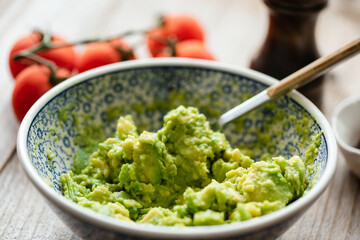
column 234, row 31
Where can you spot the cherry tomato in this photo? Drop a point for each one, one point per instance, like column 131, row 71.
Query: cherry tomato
column 97, row 54
column 192, row 49
column 177, row 27
column 183, row 27
column 126, row 53
column 30, row 85
column 188, row 49
column 156, row 41
column 164, row 53
column 62, row 57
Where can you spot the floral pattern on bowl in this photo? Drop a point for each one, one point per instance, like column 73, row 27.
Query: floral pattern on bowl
column 147, row 94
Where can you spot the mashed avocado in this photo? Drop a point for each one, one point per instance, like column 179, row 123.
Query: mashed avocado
column 185, row 174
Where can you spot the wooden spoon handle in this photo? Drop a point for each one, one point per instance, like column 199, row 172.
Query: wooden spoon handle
column 314, row 70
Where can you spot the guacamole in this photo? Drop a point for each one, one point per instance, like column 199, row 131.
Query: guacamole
column 185, row 174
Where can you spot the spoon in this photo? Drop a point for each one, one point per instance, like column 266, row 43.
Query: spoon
column 295, row 80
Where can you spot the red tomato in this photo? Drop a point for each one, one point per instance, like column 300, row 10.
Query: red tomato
column 183, row 27
column 126, row 53
column 156, row 41
column 193, row 49
column 30, row 85
column 164, row 53
column 188, row 49
column 177, row 27
column 97, row 54
column 62, row 57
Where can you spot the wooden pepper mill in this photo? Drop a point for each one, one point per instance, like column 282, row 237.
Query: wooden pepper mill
column 290, row 42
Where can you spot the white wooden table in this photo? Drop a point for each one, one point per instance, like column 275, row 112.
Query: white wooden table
column 234, row 31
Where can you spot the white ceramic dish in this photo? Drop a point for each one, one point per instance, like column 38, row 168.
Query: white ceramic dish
column 138, row 82
column 346, row 126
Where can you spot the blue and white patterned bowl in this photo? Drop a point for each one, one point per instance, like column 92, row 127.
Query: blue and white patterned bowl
column 147, row 89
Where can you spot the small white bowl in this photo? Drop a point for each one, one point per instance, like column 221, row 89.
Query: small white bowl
column 346, row 126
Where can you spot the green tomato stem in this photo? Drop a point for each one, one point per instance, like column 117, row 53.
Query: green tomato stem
column 171, row 43
column 46, row 43
column 53, row 79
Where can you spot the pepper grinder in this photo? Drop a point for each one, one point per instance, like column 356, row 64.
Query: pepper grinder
column 290, row 42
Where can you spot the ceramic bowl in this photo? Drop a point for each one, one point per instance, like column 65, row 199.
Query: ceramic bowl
column 345, row 123
column 147, row 89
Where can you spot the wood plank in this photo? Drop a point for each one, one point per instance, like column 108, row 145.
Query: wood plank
column 330, row 216
column 24, row 214
column 343, row 210
column 354, row 226
column 310, row 221
column 8, row 123
column 9, row 126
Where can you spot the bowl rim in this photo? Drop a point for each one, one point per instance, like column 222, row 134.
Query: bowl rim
column 347, row 102
column 148, row 230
